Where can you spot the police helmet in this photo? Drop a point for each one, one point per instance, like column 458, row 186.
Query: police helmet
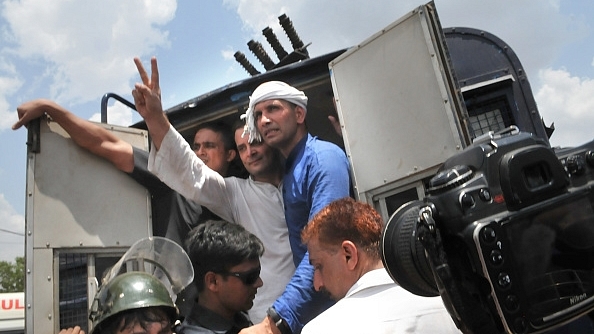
column 128, row 291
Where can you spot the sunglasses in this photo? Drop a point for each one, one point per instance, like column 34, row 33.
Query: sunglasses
column 247, row 277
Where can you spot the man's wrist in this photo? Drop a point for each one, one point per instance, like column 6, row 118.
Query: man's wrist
column 278, row 321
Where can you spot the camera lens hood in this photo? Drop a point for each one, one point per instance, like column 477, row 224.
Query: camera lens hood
column 403, row 254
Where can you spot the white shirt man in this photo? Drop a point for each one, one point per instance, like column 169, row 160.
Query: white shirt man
column 343, row 242
column 255, row 205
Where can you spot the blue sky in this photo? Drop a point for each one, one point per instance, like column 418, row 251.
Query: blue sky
column 76, row 51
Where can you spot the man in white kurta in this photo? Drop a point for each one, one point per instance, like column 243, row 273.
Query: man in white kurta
column 255, row 205
column 256, row 202
column 343, row 242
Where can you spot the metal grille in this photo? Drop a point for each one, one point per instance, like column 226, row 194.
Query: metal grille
column 73, row 303
column 489, row 121
column 493, row 115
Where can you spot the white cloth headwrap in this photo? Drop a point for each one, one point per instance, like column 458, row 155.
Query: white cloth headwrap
column 268, row 91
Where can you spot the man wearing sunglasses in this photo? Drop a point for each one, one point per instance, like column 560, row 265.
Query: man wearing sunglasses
column 226, row 260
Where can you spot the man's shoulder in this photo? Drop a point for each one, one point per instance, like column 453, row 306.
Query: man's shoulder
column 384, row 309
column 317, row 144
column 320, row 151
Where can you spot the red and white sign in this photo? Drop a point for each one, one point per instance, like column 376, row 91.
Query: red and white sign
column 12, row 311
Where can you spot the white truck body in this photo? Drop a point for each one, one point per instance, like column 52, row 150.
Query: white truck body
column 81, row 216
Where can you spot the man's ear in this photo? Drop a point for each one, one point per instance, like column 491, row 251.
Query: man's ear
column 351, row 254
column 231, row 154
column 300, row 114
column 210, row 281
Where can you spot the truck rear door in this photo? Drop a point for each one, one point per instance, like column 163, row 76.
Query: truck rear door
column 400, row 109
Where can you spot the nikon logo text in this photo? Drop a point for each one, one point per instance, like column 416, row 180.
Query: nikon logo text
column 577, row 299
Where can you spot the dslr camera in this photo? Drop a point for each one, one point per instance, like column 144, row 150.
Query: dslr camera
column 505, row 235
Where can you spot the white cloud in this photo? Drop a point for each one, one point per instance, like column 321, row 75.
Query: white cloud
column 9, row 83
column 534, row 29
column 228, row 54
column 88, row 45
column 568, row 101
column 118, row 114
column 11, row 245
column 327, row 27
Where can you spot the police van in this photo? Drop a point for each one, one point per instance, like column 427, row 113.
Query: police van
column 407, row 98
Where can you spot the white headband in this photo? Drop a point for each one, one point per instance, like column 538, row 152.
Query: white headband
column 268, row 91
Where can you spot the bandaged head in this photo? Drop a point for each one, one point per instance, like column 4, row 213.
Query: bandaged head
column 269, row 91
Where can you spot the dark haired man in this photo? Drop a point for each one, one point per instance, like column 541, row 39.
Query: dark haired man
column 226, row 260
column 172, row 214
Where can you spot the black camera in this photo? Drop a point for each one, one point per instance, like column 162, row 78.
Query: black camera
column 505, row 235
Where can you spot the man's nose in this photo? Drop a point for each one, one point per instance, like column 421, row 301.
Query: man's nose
column 264, row 119
column 259, row 282
column 200, row 151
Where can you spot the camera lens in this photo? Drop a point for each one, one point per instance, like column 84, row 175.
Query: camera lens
column 404, row 256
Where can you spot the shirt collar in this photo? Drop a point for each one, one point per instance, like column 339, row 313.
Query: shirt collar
column 296, row 151
column 371, row 278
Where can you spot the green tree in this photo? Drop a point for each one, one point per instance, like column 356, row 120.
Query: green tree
column 12, row 275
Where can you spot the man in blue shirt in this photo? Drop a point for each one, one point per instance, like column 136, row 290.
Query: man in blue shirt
column 317, row 173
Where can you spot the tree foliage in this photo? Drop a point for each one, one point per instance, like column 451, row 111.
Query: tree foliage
column 12, row 275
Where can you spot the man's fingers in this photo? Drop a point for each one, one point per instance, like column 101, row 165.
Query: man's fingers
column 22, row 120
column 143, row 75
column 75, row 330
column 138, row 99
column 155, row 76
column 17, row 125
column 142, row 90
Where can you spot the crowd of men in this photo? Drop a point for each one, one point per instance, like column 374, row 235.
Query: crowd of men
column 285, row 250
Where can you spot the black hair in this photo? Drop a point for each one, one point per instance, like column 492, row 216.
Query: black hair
column 227, row 133
column 218, row 245
column 224, row 130
column 144, row 316
column 238, row 124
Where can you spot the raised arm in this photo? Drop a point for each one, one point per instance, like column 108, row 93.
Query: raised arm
column 87, row 135
column 172, row 160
